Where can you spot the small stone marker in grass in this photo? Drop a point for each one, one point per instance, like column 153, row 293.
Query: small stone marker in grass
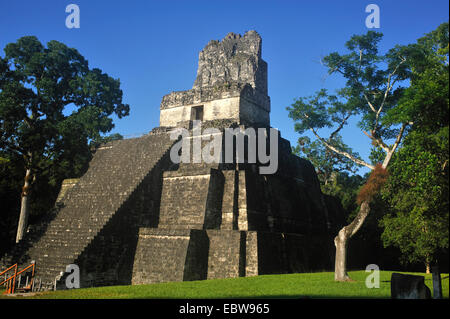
column 437, row 286
column 409, row 287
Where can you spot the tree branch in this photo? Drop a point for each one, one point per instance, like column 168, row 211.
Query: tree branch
column 356, row 224
column 399, row 137
column 389, row 87
column 343, row 153
column 370, row 104
column 379, row 141
column 18, row 150
column 389, row 154
column 340, row 125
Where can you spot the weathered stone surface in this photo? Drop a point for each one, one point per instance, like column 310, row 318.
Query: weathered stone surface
column 437, row 284
column 65, row 186
column 409, row 287
column 234, row 59
column 175, row 255
column 231, row 83
column 252, row 224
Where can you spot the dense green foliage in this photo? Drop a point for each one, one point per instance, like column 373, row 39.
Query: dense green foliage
column 52, row 107
column 373, row 89
column 401, row 94
column 418, row 190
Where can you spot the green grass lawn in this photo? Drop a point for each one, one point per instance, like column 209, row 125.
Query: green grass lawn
column 314, row 285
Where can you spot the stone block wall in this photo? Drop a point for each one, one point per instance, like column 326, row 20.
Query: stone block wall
column 213, row 209
column 229, row 200
column 226, row 258
column 224, row 108
column 196, row 263
column 280, row 253
column 253, row 112
column 182, row 255
column 160, row 255
column 242, row 107
column 184, row 200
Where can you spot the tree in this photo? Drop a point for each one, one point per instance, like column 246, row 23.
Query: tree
column 39, row 86
column 372, row 92
column 417, row 192
column 418, row 189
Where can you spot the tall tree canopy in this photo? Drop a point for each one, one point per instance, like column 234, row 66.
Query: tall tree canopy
column 372, row 93
column 51, row 105
column 418, row 187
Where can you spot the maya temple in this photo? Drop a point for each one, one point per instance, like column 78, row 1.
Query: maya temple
column 137, row 217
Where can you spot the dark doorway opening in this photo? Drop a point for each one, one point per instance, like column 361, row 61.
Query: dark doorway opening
column 197, row 113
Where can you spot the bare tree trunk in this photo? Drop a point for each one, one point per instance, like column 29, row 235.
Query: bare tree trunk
column 341, row 242
column 340, row 263
column 24, row 206
column 427, row 265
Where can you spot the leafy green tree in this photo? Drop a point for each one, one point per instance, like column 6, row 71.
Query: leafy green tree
column 417, row 189
column 417, row 192
column 372, row 91
column 51, row 105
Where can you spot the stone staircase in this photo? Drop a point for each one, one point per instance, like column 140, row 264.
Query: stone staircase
column 115, row 171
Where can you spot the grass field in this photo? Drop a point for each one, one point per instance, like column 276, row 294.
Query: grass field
column 313, row 285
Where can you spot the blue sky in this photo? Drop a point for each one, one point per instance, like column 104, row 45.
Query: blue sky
column 153, row 46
